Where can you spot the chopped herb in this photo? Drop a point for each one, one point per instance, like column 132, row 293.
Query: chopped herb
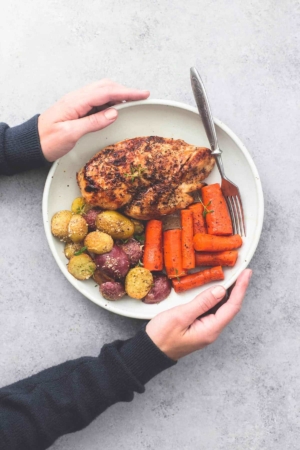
column 92, row 269
column 135, row 172
column 80, row 209
column 83, row 249
column 140, row 264
column 206, row 210
column 176, row 271
column 140, row 238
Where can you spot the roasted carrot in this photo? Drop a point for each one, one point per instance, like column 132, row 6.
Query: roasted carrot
column 217, row 215
column 172, row 253
column 198, row 279
column 210, row 243
column 153, row 250
column 188, row 252
column 227, row 258
column 198, row 218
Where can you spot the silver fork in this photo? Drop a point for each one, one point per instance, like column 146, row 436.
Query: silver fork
column 230, row 190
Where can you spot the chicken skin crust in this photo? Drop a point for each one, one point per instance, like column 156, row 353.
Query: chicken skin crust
column 145, row 177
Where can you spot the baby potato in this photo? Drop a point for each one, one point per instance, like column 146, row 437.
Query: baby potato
column 115, row 224
column 77, row 228
column 138, row 226
column 60, row 223
column 71, row 248
column 78, row 206
column 98, row 242
column 138, row 282
column 81, row 267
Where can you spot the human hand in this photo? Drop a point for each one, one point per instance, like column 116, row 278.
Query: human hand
column 66, row 121
column 177, row 332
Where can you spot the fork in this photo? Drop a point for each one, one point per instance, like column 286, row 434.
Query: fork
column 230, row 190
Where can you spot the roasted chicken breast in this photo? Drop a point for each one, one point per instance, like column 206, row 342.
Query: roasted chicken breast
column 145, row 177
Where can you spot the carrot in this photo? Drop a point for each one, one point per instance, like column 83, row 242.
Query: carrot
column 217, row 215
column 153, row 250
column 198, row 279
column 227, row 258
column 187, row 246
column 198, row 218
column 172, row 253
column 210, row 243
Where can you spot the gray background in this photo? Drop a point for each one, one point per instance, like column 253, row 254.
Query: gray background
column 243, row 392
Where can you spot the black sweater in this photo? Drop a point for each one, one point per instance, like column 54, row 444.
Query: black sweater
column 36, row 411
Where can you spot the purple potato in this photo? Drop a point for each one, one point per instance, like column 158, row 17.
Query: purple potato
column 90, row 218
column 160, row 291
column 115, row 264
column 112, row 290
column 133, row 250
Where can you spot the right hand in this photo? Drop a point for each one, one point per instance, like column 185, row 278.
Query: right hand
column 178, row 331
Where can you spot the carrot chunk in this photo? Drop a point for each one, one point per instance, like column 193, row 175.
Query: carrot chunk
column 188, row 252
column 173, row 254
column 153, row 250
column 198, row 279
column 210, row 243
column 218, row 220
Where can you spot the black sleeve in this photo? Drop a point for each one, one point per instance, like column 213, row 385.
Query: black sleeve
column 20, row 147
column 36, row 411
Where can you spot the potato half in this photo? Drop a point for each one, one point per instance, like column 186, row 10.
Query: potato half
column 98, row 242
column 115, row 224
column 77, row 228
column 60, row 223
column 138, row 282
column 82, row 266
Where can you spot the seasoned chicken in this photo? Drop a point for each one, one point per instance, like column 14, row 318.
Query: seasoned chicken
column 145, row 177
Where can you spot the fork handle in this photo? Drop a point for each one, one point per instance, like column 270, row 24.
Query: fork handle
column 204, row 111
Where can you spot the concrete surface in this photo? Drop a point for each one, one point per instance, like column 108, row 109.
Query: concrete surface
column 243, row 392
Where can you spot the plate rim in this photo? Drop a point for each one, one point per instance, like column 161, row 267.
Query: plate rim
column 180, row 105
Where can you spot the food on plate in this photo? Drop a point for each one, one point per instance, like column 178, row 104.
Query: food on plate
column 173, row 253
column 60, row 223
column 198, row 279
column 199, row 224
column 114, row 264
column 78, row 228
column 146, row 176
column 138, row 282
column 100, row 277
column 73, row 247
column 218, row 220
column 160, row 290
column 115, row 224
column 90, row 217
column 81, row 266
column 210, row 243
column 187, row 234
column 112, row 290
column 138, row 226
column 224, row 259
column 133, row 250
column 78, row 206
column 153, row 251
column 98, row 242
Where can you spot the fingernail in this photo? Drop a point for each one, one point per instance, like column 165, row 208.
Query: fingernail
column 111, row 114
column 218, row 292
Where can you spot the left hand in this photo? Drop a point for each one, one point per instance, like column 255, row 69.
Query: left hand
column 66, row 121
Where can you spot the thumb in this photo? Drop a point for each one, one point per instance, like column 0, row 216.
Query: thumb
column 202, row 303
column 94, row 122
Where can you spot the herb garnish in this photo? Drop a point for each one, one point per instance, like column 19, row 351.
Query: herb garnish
column 83, row 249
column 176, row 271
column 135, row 172
column 140, row 238
column 206, row 210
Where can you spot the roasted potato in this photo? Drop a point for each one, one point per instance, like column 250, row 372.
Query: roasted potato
column 90, row 217
column 71, row 248
column 112, row 290
column 101, row 277
column 138, row 282
column 60, row 223
column 115, row 224
column 78, row 228
column 133, row 250
column 98, row 242
column 114, row 264
column 160, row 290
column 82, row 266
column 138, row 226
column 78, row 206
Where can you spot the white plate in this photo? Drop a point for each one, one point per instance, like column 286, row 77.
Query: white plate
column 167, row 119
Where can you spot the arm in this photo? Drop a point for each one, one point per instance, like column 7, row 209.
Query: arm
column 36, row 411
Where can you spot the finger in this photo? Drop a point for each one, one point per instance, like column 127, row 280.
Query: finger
column 94, row 122
column 202, row 303
column 229, row 310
